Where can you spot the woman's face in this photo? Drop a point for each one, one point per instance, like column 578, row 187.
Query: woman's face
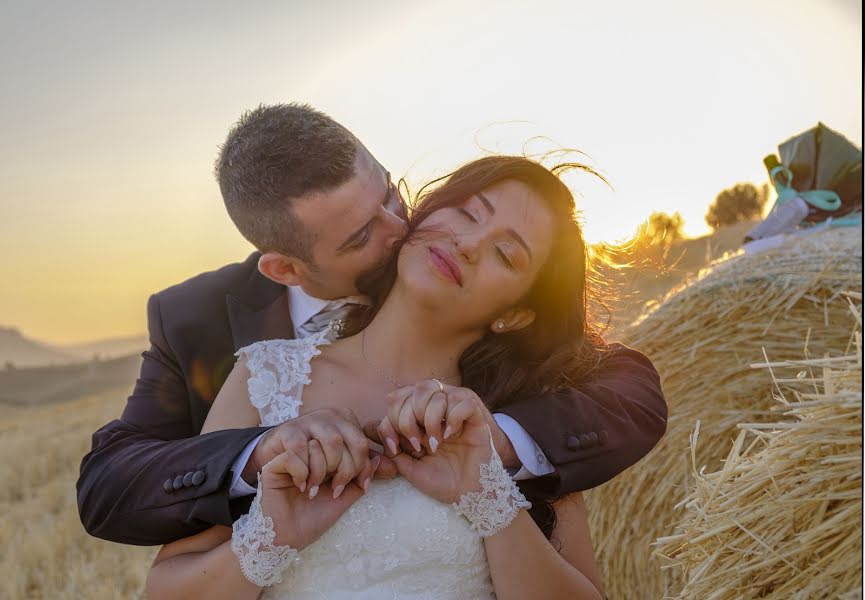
column 475, row 261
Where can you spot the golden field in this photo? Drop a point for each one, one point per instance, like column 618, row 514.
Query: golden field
column 46, row 552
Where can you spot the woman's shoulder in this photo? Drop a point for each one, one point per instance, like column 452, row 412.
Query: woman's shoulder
column 282, row 349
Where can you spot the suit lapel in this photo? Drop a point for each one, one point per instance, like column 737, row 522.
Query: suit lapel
column 258, row 310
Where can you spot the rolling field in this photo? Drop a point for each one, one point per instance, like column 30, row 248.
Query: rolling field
column 46, row 552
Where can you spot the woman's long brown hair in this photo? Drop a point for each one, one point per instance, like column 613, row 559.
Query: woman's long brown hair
column 562, row 347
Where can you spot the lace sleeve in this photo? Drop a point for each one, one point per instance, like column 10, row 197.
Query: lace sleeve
column 497, row 503
column 252, row 539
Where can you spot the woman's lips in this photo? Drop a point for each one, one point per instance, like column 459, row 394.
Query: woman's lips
column 446, row 265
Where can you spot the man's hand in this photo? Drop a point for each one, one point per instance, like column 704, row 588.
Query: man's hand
column 415, row 421
column 342, row 450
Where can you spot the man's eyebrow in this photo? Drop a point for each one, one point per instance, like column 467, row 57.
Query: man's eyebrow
column 519, row 239
column 487, row 203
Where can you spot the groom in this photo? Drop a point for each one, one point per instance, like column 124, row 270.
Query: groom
column 323, row 213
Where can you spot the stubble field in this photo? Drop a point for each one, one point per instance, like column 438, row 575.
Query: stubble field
column 46, row 552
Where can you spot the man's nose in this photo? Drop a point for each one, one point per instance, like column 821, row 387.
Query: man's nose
column 397, row 229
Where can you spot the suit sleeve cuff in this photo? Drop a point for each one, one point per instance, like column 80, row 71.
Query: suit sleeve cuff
column 533, row 459
column 239, row 487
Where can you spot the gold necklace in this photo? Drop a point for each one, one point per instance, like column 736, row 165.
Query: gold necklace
column 389, row 378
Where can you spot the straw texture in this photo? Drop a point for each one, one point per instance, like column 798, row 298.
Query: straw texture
column 790, row 303
column 783, row 517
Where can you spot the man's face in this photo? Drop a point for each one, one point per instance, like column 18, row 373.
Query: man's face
column 355, row 228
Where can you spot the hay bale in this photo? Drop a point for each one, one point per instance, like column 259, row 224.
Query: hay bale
column 702, row 338
column 783, row 517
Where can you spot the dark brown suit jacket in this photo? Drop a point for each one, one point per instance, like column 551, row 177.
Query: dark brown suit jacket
column 151, row 479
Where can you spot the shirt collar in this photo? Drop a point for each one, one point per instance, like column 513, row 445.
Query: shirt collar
column 302, row 307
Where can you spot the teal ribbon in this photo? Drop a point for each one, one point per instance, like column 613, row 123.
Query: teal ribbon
column 823, row 199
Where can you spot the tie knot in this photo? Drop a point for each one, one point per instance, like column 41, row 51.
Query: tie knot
column 333, row 318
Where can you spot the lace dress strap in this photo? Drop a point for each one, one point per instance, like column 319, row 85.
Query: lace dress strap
column 278, row 371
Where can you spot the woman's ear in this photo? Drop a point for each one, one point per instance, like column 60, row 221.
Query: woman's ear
column 513, row 320
column 286, row 270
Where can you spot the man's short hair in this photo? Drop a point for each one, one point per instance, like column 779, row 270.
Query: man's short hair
column 275, row 155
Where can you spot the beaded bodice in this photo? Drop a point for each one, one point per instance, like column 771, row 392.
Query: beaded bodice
column 393, row 543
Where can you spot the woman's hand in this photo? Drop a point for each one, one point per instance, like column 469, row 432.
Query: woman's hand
column 302, row 514
column 454, row 425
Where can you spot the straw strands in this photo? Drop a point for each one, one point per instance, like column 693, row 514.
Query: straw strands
column 788, row 303
column 783, row 517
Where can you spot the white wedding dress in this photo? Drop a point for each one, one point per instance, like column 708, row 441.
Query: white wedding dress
column 393, row 543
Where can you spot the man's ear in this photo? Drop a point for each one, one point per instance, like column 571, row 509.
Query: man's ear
column 513, row 320
column 286, row 270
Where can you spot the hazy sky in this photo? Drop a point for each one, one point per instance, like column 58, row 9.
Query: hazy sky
column 111, row 114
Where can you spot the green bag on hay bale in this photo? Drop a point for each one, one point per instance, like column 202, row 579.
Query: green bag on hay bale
column 823, row 159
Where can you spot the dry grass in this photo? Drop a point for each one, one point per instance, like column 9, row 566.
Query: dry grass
column 46, row 552
column 783, row 517
column 703, row 337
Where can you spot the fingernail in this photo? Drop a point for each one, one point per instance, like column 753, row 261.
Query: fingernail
column 415, row 443
column 375, row 463
column 337, row 491
column 302, row 486
column 313, row 491
column 448, row 432
column 366, row 485
column 391, row 445
column 433, row 444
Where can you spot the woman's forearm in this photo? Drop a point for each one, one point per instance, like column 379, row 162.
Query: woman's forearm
column 212, row 574
column 523, row 564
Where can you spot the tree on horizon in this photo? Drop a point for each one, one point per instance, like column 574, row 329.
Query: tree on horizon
column 742, row 202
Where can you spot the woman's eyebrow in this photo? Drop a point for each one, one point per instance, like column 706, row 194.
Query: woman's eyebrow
column 486, row 202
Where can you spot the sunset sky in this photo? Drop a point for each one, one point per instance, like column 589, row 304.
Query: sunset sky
column 111, row 114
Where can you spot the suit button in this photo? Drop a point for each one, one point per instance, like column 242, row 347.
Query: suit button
column 167, row 486
column 586, row 441
column 198, row 478
column 593, row 436
column 603, row 437
column 178, row 482
column 573, row 443
column 187, row 479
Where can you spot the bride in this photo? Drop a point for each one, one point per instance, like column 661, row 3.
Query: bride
column 487, row 299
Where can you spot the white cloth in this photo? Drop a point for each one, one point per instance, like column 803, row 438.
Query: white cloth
column 534, row 461
column 395, row 542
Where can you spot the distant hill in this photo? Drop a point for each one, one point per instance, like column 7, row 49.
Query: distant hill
column 107, row 348
column 25, row 352
column 59, row 383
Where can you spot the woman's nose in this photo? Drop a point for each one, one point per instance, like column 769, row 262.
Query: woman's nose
column 468, row 247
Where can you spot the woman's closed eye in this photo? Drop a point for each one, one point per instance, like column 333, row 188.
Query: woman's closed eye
column 468, row 215
column 505, row 259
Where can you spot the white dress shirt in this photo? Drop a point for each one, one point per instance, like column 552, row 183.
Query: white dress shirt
column 302, row 307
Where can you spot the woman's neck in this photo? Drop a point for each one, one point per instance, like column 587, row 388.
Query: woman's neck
column 407, row 342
